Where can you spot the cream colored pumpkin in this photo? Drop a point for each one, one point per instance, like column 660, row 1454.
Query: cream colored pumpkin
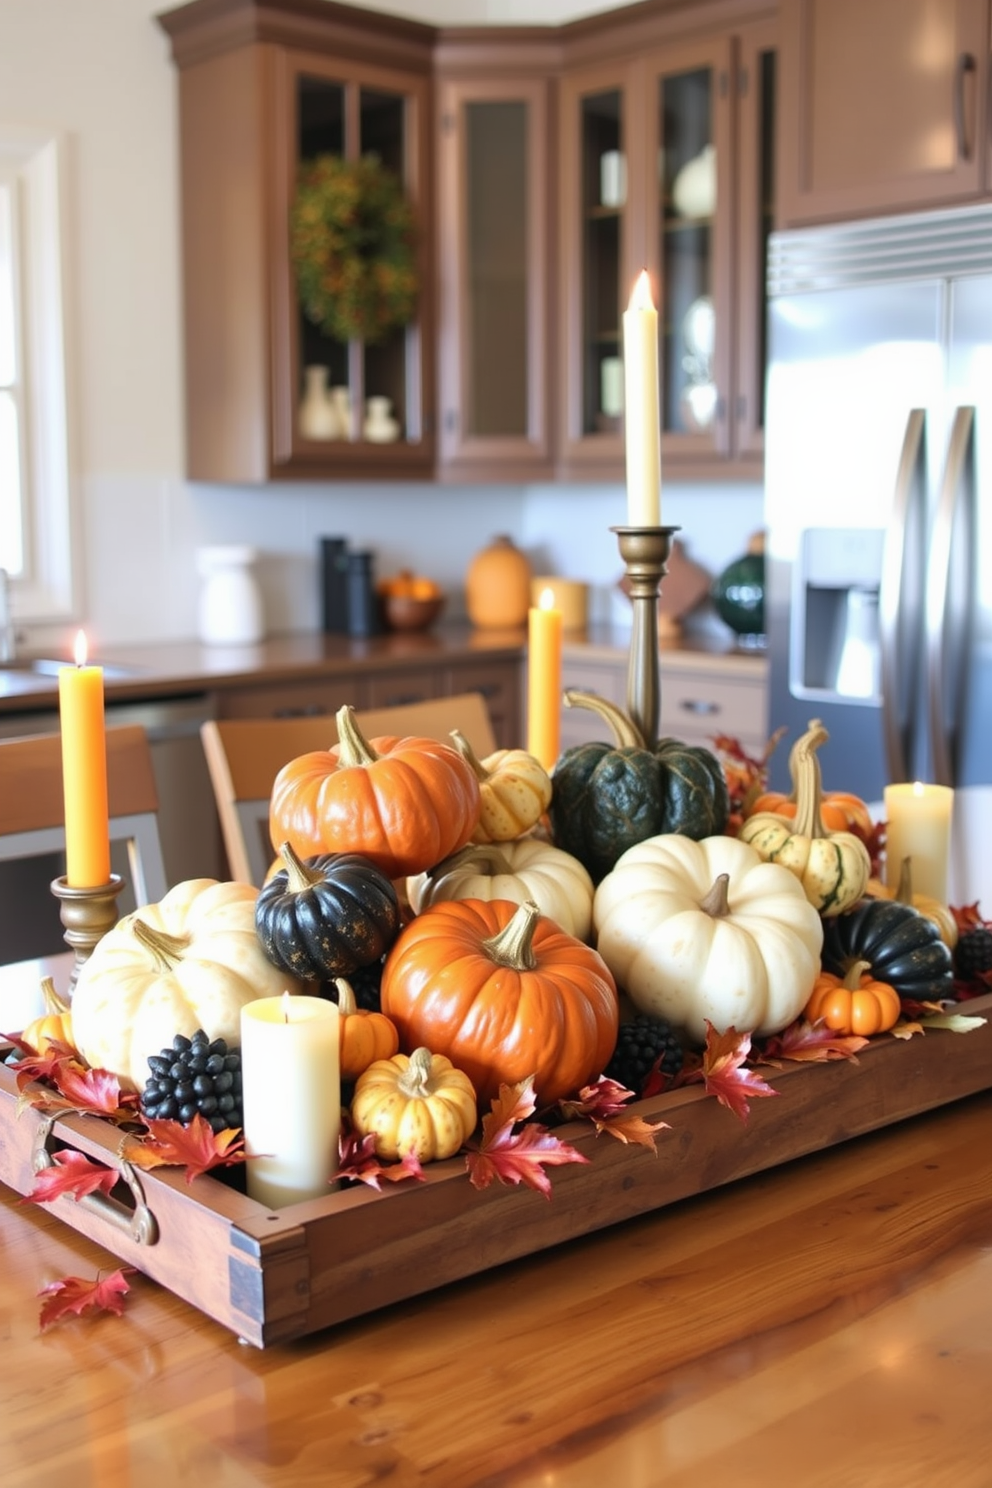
column 529, row 868
column 697, row 931
column 515, row 789
column 191, row 961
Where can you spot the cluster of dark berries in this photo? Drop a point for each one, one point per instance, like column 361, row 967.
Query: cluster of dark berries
column 196, row 1075
column 973, row 953
column 643, row 1044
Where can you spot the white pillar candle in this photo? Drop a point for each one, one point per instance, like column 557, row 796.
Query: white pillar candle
column 291, row 1077
column 642, row 416
column 918, row 827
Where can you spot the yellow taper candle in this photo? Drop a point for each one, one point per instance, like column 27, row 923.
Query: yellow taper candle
column 84, row 772
column 544, row 681
column 918, row 827
column 291, row 1092
column 642, row 413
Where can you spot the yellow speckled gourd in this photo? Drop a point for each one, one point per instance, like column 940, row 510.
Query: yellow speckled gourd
column 417, row 1103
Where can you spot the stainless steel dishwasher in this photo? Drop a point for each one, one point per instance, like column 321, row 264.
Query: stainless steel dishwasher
column 188, row 824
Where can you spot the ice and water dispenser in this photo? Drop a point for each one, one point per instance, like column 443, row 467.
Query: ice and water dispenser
column 834, row 641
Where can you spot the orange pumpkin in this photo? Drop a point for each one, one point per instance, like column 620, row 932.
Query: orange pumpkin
column 504, row 993
column 855, row 1003
column 402, row 803
column 365, row 1035
column 54, row 1023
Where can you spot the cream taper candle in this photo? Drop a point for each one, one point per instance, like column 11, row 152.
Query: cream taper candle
column 291, row 1081
column 642, row 417
column 918, row 827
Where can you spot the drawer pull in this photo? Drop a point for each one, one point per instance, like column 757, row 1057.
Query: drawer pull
column 139, row 1223
column 699, row 707
column 306, row 710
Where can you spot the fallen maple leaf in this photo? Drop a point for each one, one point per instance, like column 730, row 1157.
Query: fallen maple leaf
column 196, row 1147
column 905, row 1029
column 73, row 1173
column 358, row 1162
column 723, row 1073
column 953, row 1022
column 516, row 1156
column 605, row 1105
column 73, row 1294
column 811, row 1043
column 57, row 1081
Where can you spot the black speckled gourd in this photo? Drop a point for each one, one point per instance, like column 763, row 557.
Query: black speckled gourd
column 610, row 796
column 326, row 916
column 900, row 945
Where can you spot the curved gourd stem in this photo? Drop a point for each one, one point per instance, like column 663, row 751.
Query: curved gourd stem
column 808, row 784
column 299, row 875
column 487, row 856
column 512, row 947
column 347, row 1005
column 165, row 949
column 353, row 747
column 55, row 1005
column 468, row 754
column 716, row 901
column 415, row 1080
column 626, row 734
column 853, row 975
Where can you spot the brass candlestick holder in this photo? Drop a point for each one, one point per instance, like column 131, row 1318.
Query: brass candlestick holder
column 87, row 915
column 644, row 551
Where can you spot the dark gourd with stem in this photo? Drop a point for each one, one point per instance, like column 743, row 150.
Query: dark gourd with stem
column 328, row 916
column 900, row 945
column 610, row 796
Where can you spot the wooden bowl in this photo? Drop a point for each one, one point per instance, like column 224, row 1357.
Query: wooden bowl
column 404, row 612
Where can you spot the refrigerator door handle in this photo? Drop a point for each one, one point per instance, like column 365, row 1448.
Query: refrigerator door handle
column 948, row 606
column 909, row 494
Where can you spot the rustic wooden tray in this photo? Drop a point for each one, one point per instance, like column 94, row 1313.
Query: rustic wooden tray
column 273, row 1275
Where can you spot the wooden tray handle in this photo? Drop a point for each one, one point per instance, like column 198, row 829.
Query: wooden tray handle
column 139, row 1223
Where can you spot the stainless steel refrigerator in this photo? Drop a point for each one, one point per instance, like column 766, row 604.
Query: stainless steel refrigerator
column 879, row 497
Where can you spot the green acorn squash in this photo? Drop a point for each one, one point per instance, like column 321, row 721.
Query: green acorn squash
column 900, row 945
column 610, row 796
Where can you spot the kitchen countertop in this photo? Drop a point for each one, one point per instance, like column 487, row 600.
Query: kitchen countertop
column 176, row 668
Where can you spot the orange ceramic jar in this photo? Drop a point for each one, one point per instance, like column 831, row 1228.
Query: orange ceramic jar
column 497, row 586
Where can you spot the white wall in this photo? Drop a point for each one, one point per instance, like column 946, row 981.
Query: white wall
column 101, row 72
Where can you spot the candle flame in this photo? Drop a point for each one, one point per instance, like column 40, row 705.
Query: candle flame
column 80, row 648
column 640, row 298
column 547, row 599
column 285, row 1007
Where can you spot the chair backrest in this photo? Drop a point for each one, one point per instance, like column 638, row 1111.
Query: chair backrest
column 32, row 812
column 244, row 756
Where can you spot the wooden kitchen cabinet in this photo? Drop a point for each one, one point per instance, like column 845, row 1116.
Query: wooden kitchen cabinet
column 692, row 119
column 262, row 87
column 884, row 106
column 495, row 152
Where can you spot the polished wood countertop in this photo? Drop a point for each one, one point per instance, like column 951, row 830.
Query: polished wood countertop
column 823, row 1324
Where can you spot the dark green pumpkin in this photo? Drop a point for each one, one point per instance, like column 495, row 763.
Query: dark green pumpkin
column 610, row 796
column 327, row 916
column 902, row 947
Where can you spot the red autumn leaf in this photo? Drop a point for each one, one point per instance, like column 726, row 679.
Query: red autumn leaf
column 969, row 917
column 516, row 1156
column 357, row 1161
column 74, row 1173
column 65, row 1084
column 605, row 1105
column 723, row 1072
column 74, row 1294
column 811, row 1043
column 196, row 1147
column 627, row 1126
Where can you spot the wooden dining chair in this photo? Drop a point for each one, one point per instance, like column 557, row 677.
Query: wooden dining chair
column 244, row 756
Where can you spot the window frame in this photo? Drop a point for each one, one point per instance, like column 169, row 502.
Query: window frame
column 33, row 163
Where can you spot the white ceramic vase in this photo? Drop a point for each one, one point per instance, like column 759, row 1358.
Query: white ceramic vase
column 380, row 427
column 230, row 610
column 694, row 188
column 318, row 415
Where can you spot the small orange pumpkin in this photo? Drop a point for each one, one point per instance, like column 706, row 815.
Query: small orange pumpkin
column 855, row 1003
column 54, row 1023
column 365, row 1035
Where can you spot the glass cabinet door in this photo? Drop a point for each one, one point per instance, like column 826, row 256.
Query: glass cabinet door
column 351, row 400
column 756, row 91
column 693, row 247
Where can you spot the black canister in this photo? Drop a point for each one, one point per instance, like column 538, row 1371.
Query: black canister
column 334, row 585
column 363, row 604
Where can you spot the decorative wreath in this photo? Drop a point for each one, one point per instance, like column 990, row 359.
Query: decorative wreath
column 352, row 236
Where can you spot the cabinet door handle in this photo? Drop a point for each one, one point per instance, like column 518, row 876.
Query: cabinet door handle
column 699, row 707
column 307, row 710
column 965, row 64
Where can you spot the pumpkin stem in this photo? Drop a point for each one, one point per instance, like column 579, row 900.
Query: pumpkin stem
column 853, row 975
column 415, row 1081
column 806, row 778
column 55, row 1005
column 347, row 1006
column 904, row 893
column 298, row 875
column 470, row 757
column 487, row 856
column 716, row 902
column 626, row 734
column 512, row 947
column 353, row 747
column 165, row 949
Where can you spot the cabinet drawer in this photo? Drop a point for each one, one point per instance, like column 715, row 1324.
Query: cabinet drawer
column 499, row 682
column 293, row 699
column 694, row 707
column 397, row 689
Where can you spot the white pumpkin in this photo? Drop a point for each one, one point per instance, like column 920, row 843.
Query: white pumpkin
column 528, row 868
column 684, row 950
column 191, row 961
